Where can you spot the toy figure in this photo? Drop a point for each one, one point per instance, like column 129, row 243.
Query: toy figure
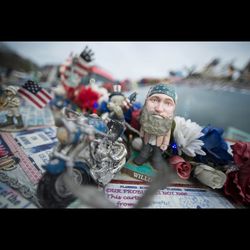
column 74, row 70
column 120, row 109
column 156, row 122
column 118, row 104
column 10, row 102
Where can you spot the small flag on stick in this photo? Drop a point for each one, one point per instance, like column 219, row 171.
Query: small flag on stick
column 35, row 94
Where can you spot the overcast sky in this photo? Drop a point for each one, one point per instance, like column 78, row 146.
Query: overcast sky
column 135, row 60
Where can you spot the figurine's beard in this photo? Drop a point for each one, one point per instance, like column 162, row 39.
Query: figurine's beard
column 154, row 125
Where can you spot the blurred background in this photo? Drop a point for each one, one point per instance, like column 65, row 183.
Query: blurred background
column 212, row 78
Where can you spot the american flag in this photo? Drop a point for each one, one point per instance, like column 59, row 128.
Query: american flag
column 36, row 95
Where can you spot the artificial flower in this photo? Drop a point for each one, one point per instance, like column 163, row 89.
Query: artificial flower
column 186, row 136
column 241, row 153
column 182, row 167
column 237, row 185
column 209, row 176
column 215, row 147
column 87, row 99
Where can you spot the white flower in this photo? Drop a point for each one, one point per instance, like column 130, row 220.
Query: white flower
column 186, row 136
column 210, row 176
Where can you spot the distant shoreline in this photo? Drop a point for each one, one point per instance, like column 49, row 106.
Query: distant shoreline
column 231, row 86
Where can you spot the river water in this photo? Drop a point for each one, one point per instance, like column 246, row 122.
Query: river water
column 215, row 106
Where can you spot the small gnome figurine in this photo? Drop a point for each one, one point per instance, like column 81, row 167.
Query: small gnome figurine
column 10, row 102
column 118, row 104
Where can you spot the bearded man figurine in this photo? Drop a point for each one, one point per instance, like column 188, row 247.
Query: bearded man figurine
column 156, row 121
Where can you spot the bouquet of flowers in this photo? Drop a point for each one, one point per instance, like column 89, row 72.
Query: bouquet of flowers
column 203, row 153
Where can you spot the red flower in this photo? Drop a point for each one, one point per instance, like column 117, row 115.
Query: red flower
column 87, row 98
column 237, row 185
column 241, row 153
column 182, row 167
